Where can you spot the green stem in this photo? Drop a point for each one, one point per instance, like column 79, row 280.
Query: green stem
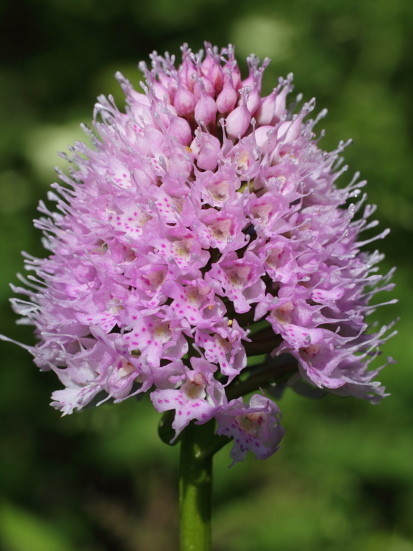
column 198, row 446
column 265, row 377
column 195, row 485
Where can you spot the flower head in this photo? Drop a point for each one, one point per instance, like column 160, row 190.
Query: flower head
column 202, row 209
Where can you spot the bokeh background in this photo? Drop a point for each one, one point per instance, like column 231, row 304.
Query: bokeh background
column 101, row 480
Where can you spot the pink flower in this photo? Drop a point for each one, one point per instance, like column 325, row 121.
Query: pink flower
column 255, row 427
column 203, row 208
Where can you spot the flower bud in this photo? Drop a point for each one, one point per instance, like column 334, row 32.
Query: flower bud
column 184, row 101
column 265, row 113
column 228, row 97
column 205, row 110
column 238, row 121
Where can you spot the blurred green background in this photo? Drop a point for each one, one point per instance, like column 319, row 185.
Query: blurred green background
column 100, row 480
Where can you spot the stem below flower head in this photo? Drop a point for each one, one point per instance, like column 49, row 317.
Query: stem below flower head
column 195, row 486
column 266, row 375
column 198, row 446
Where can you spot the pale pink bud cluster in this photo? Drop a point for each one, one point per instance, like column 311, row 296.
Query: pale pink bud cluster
column 203, row 209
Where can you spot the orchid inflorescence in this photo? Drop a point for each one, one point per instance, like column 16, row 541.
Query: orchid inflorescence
column 201, row 251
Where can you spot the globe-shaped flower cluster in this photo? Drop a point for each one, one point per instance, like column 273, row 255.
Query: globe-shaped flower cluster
column 204, row 228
